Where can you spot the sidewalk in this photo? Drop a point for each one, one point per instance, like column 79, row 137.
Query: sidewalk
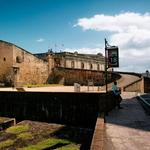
column 127, row 128
column 57, row 89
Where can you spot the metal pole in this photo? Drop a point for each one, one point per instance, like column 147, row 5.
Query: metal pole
column 106, row 65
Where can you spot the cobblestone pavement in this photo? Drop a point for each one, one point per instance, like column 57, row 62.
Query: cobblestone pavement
column 127, row 128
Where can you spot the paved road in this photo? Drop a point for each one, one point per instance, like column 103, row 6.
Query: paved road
column 127, row 128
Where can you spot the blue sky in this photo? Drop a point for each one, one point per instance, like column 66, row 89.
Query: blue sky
column 37, row 25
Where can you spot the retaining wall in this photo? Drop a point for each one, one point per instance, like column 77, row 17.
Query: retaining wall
column 77, row 109
column 142, row 85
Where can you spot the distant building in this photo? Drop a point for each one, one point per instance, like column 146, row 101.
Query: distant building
column 74, row 60
column 18, row 66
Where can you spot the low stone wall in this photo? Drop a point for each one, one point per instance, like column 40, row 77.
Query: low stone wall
column 98, row 136
column 135, row 86
column 142, row 85
column 69, row 76
column 77, row 109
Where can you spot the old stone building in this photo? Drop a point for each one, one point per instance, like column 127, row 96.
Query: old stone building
column 74, row 60
column 18, row 66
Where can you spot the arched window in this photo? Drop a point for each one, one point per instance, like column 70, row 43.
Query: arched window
column 82, row 65
column 98, row 67
column 91, row 66
column 72, row 64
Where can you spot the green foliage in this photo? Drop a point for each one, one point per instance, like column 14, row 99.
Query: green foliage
column 68, row 147
column 25, row 136
column 41, row 85
column 17, row 129
column 6, row 143
column 45, row 144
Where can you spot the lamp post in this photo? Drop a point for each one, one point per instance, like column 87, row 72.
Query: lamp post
column 106, row 64
column 111, row 59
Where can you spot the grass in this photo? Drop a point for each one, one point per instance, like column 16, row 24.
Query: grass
column 46, row 144
column 41, row 85
column 22, row 137
column 6, row 143
column 68, row 147
column 17, row 129
column 25, row 136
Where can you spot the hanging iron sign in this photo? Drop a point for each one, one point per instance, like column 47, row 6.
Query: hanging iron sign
column 113, row 56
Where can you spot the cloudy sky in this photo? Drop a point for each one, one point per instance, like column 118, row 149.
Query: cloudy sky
column 80, row 25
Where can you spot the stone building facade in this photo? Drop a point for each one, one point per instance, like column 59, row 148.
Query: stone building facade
column 74, row 60
column 18, row 66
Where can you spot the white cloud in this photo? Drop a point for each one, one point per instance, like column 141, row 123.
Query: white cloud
column 117, row 23
column 130, row 32
column 40, row 40
column 84, row 50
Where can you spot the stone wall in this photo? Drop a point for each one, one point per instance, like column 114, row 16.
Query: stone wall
column 30, row 68
column 76, row 109
column 68, row 76
column 71, row 76
column 17, row 66
column 6, row 59
column 135, row 86
column 142, row 85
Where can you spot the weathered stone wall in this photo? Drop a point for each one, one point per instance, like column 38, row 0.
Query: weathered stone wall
column 30, row 69
column 142, row 85
column 70, row 76
column 135, row 86
column 5, row 61
column 18, row 66
column 76, row 109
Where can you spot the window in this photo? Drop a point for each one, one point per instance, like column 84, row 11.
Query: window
column 4, row 59
column 97, row 66
column 72, row 64
column 82, row 65
column 91, row 66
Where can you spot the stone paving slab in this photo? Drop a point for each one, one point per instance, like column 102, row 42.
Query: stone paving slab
column 127, row 128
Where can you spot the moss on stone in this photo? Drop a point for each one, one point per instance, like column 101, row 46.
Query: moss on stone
column 25, row 136
column 17, row 129
column 6, row 143
column 46, row 144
